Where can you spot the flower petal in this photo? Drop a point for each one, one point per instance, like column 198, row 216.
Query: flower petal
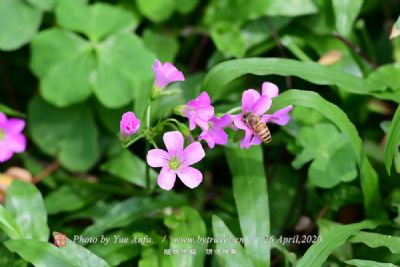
column 192, row 154
column 256, row 140
column 166, row 178
column 14, row 125
column 190, row 176
column 157, row 158
column 192, row 124
column 203, row 124
column 157, row 65
column 280, row 117
column 223, row 121
column 247, row 101
column 129, row 124
column 204, row 98
column 3, row 118
column 15, row 142
column 206, row 113
column 245, row 142
column 174, row 143
column 238, row 121
column 219, row 136
column 5, row 154
column 270, row 89
column 262, row 105
column 206, row 136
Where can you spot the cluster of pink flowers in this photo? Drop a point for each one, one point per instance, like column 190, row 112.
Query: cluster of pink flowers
column 12, row 139
column 177, row 160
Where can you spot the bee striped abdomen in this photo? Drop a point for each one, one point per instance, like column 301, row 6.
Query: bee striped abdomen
column 263, row 132
column 259, row 127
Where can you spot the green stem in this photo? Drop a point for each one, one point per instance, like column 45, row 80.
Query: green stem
column 148, row 115
column 147, row 168
column 233, row 110
column 133, row 140
column 148, row 121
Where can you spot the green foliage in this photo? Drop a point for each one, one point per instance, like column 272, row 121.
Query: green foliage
column 99, row 65
column 334, row 238
column 239, row 258
column 333, row 158
column 346, row 12
column 222, row 74
column 71, row 68
column 251, row 197
column 70, row 133
column 9, row 225
column 26, row 206
column 392, row 145
column 378, row 240
column 124, row 213
column 25, row 24
column 129, row 167
column 366, row 263
column 187, row 224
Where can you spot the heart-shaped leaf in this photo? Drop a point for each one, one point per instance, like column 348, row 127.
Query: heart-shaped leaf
column 68, row 133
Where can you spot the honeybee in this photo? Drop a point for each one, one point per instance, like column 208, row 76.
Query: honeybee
column 259, row 127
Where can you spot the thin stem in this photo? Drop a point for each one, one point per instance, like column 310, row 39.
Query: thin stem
column 149, row 141
column 154, row 144
column 147, row 168
column 279, row 45
column 47, row 171
column 148, row 115
column 356, row 49
column 133, row 140
column 172, row 120
column 233, row 110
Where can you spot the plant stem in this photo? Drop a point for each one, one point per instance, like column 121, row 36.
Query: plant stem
column 356, row 49
column 148, row 115
column 149, row 140
column 133, row 140
column 147, row 169
column 233, row 110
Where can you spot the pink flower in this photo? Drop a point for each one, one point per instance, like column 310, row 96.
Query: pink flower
column 270, row 89
column 258, row 104
column 281, row 116
column 11, row 138
column 215, row 133
column 129, row 124
column 166, row 73
column 176, row 161
column 199, row 111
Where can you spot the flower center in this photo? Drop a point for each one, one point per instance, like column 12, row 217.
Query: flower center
column 210, row 126
column 191, row 110
column 2, row 134
column 174, row 163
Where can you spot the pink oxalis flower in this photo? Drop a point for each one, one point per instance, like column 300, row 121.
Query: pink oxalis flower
column 129, row 124
column 215, row 133
column 258, row 104
column 176, row 161
column 199, row 111
column 11, row 138
column 166, row 73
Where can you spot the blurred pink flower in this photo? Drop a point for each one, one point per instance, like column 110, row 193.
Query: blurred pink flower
column 258, row 104
column 215, row 133
column 199, row 111
column 11, row 138
column 176, row 161
column 129, row 124
column 166, row 73
column 270, row 89
column 281, row 116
